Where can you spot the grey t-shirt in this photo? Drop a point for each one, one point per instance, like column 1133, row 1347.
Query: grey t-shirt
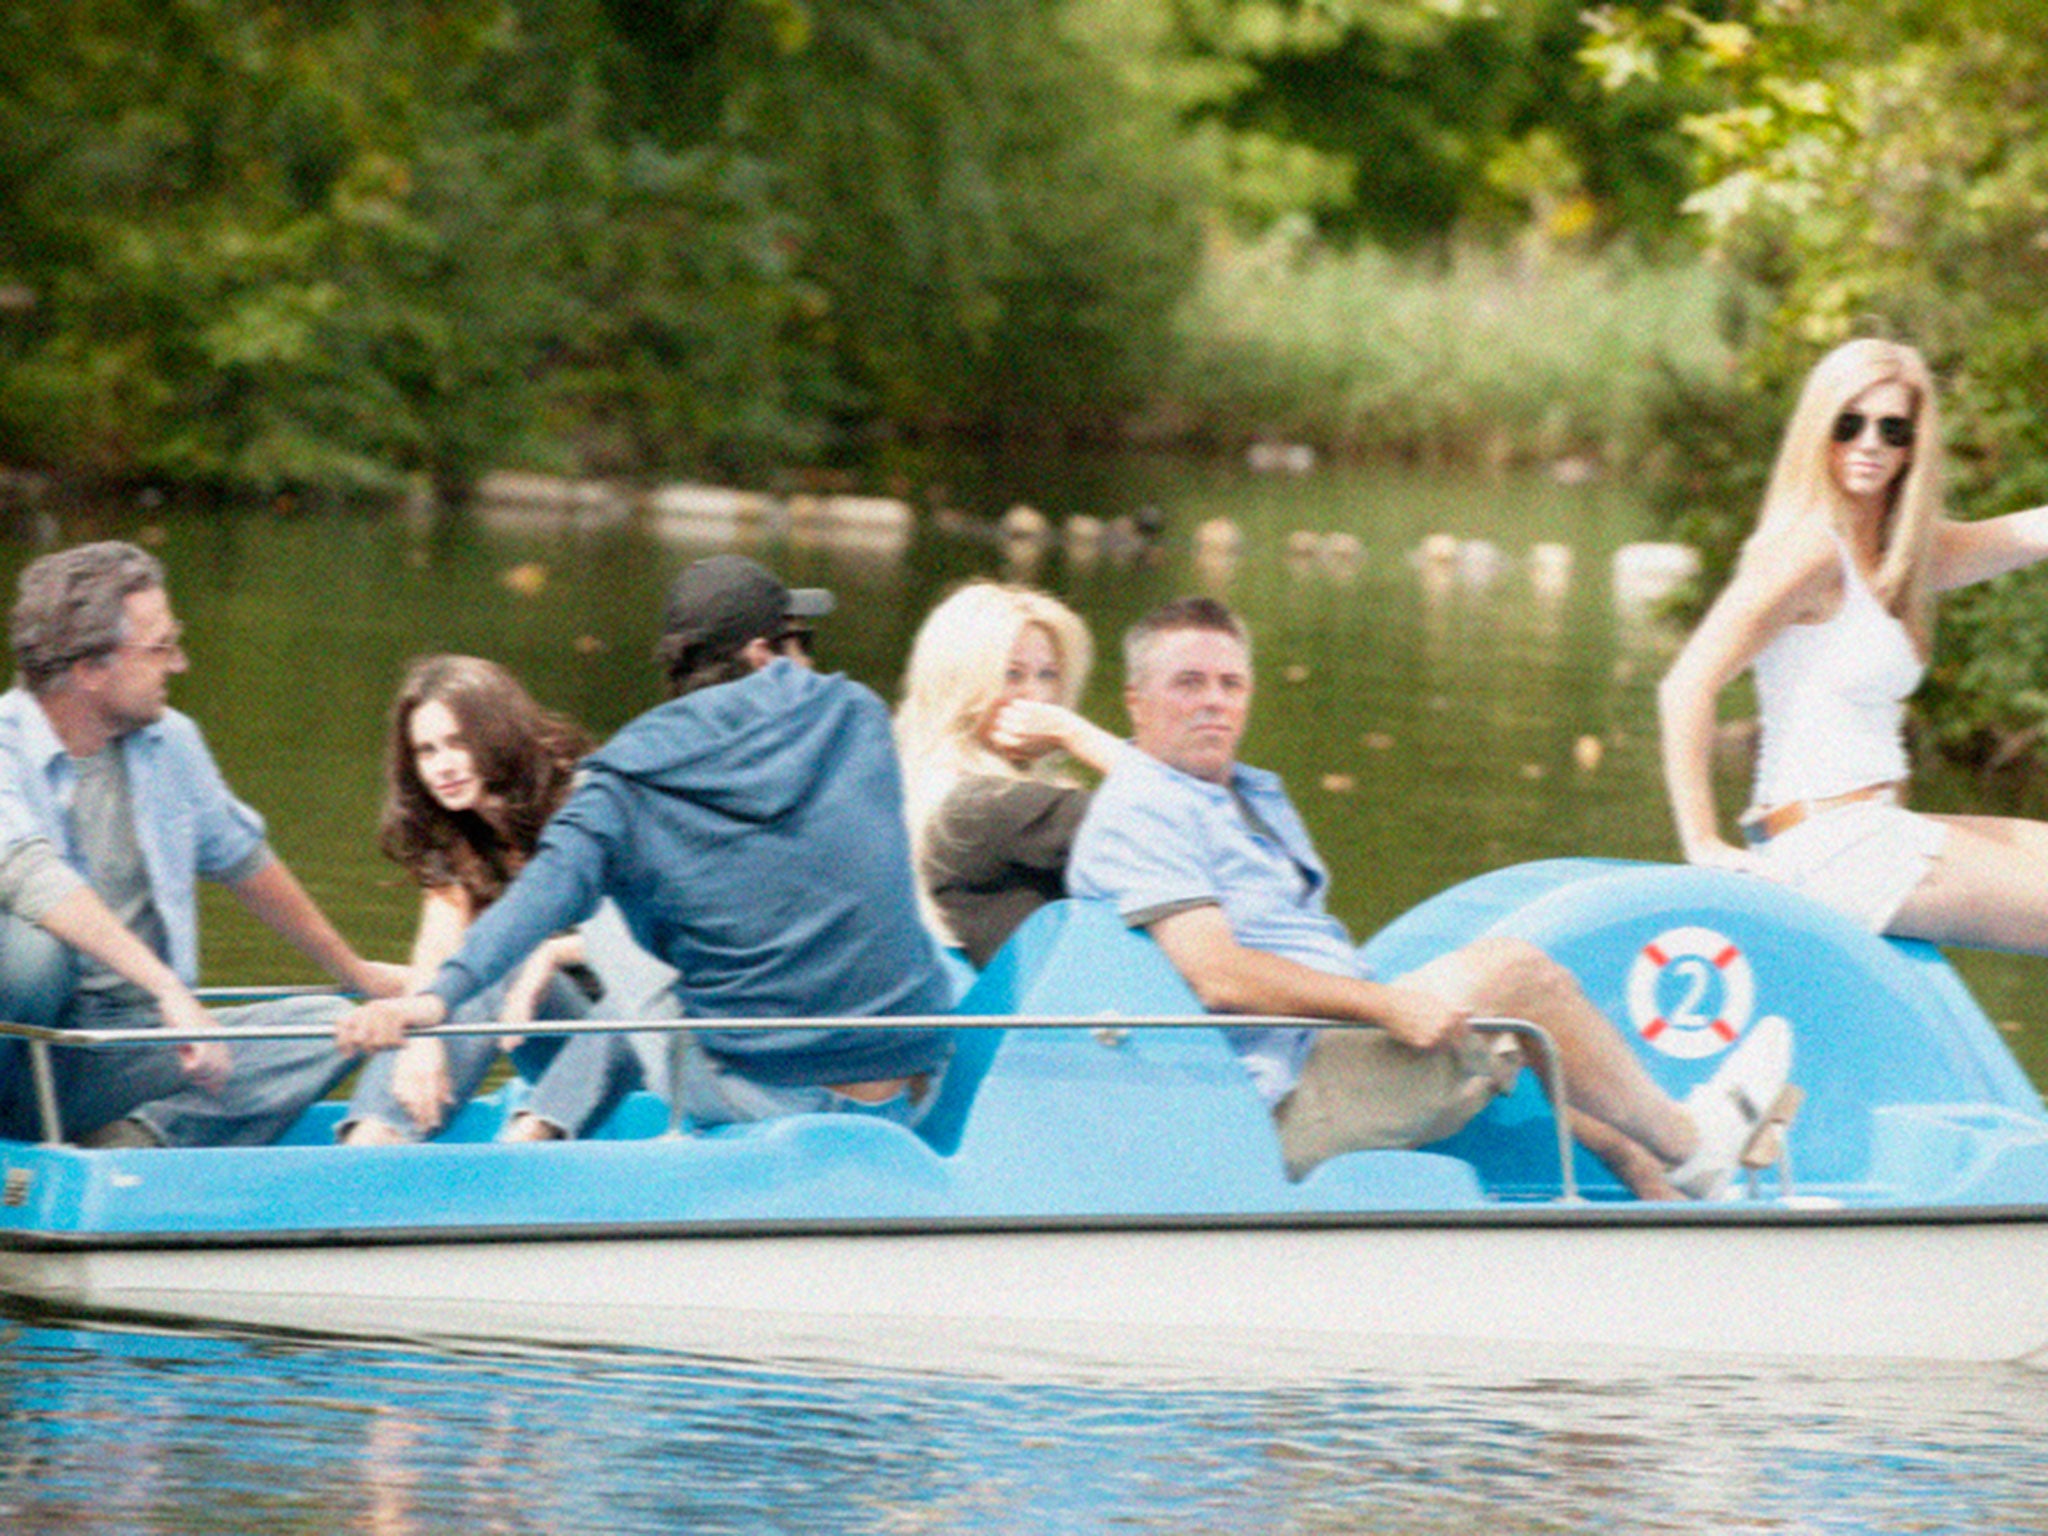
column 103, row 830
column 34, row 877
column 996, row 852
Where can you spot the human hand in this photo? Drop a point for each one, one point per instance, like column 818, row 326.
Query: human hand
column 1421, row 1018
column 381, row 1025
column 1024, row 729
column 419, row 1081
column 207, row 1064
column 380, row 978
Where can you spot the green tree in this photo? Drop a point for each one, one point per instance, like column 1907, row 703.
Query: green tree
column 1409, row 122
column 994, row 227
column 339, row 245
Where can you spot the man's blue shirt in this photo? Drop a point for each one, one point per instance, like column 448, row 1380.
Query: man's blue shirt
column 1158, row 841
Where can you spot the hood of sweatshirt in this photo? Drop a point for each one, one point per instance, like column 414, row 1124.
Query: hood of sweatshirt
column 747, row 750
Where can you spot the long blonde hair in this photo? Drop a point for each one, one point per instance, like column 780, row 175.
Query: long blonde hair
column 1802, row 486
column 955, row 679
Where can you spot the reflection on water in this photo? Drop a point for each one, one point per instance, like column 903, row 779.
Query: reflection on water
column 115, row 1432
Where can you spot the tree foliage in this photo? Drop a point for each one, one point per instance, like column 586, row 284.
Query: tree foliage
column 355, row 243
column 327, row 244
column 1410, row 122
column 996, row 226
column 340, row 244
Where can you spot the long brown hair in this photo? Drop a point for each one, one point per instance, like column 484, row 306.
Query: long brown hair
column 525, row 755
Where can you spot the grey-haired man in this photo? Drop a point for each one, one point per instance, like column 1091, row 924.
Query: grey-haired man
column 1209, row 856
column 111, row 809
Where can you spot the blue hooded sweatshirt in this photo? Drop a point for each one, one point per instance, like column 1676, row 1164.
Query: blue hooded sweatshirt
column 752, row 836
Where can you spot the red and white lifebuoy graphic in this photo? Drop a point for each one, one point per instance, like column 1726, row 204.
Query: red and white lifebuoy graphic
column 1690, row 992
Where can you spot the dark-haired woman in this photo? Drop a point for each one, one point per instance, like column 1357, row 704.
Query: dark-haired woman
column 474, row 769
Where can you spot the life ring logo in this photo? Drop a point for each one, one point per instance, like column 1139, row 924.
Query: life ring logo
column 1690, row 992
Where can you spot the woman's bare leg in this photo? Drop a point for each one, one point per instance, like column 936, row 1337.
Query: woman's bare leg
column 1987, row 888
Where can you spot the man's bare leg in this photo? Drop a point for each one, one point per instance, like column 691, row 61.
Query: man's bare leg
column 1618, row 1112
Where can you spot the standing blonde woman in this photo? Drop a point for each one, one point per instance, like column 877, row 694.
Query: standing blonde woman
column 1830, row 607
column 988, row 712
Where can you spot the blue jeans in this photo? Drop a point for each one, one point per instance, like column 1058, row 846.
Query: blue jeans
column 594, row 1072
column 470, row 1057
column 272, row 1084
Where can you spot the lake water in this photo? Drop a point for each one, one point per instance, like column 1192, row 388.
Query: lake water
column 112, row 1432
column 1436, row 719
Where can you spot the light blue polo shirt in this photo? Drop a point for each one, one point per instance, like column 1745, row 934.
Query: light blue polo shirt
column 1158, row 841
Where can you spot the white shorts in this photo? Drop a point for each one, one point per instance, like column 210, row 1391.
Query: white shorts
column 1861, row 859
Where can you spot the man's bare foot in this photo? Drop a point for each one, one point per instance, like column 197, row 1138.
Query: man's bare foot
column 525, row 1127
column 372, row 1132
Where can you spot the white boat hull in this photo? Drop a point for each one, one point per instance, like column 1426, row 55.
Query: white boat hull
column 1938, row 1289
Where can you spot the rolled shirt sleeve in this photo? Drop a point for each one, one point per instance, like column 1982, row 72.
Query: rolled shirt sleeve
column 34, row 878
column 1143, row 852
column 254, row 860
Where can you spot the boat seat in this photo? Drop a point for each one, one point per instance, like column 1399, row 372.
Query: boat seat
column 1166, row 1112
column 641, row 1114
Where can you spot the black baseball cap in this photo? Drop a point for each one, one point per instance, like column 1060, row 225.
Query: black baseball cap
column 721, row 603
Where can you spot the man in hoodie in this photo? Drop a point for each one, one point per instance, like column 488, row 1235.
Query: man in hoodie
column 751, row 833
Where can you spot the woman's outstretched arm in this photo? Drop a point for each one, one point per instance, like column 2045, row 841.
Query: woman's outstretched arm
column 1027, row 728
column 445, row 915
column 1972, row 552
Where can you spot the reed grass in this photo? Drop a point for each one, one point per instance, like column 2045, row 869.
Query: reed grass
column 1489, row 357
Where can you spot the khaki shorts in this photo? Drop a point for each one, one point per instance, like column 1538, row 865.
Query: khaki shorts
column 1361, row 1089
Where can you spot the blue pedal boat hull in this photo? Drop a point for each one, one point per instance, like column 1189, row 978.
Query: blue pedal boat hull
column 1117, row 1193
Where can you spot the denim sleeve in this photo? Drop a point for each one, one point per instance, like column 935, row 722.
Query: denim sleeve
column 230, row 835
column 559, row 888
column 1143, row 852
column 19, row 823
column 20, row 819
column 247, row 865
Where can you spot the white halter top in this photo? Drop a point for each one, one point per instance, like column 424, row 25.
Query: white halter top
column 1832, row 699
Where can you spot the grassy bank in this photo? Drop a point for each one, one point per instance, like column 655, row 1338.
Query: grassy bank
column 1492, row 358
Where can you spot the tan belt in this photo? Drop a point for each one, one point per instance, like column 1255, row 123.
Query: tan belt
column 1759, row 827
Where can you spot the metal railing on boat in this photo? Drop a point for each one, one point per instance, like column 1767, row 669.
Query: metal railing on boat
column 1538, row 1050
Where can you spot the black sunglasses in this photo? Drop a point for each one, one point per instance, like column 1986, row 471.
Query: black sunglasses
column 794, row 640
column 1892, row 431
